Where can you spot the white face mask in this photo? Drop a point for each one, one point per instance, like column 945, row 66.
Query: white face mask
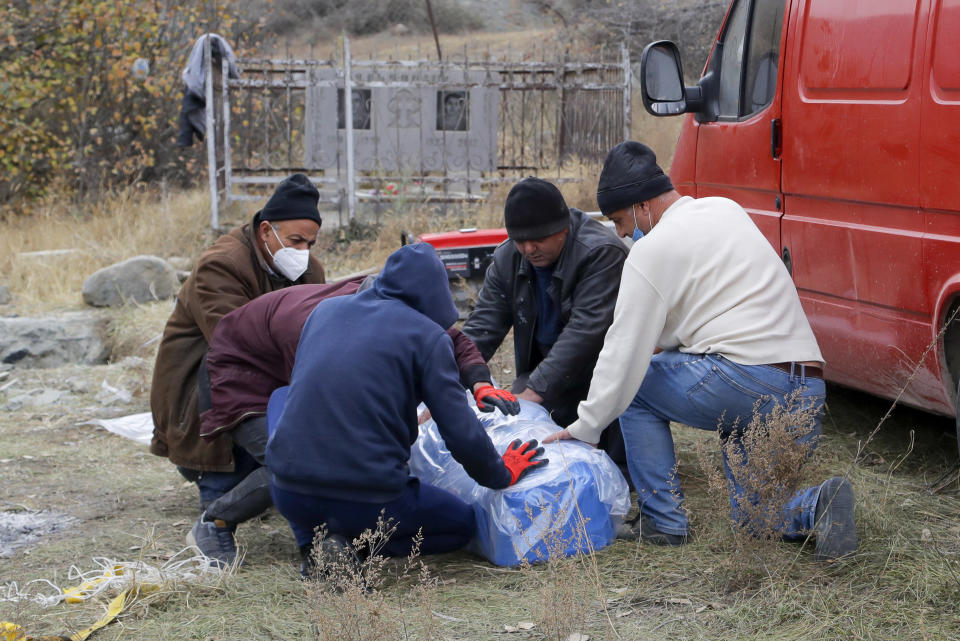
column 289, row 261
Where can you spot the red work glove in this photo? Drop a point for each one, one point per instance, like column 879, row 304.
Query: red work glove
column 490, row 398
column 519, row 458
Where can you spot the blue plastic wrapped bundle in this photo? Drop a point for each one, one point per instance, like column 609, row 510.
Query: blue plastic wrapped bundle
column 573, row 505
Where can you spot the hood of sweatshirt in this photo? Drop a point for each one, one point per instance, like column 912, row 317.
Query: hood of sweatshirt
column 415, row 275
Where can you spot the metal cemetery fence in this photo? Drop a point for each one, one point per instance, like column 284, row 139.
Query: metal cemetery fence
column 412, row 128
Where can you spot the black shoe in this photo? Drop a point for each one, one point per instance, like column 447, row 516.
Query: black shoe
column 834, row 525
column 333, row 548
column 641, row 528
column 307, row 564
column 214, row 538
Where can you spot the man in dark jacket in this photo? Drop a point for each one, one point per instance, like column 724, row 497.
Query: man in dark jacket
column 555, row 283
column 251, row 355
column 269, row 254
column 339, row 453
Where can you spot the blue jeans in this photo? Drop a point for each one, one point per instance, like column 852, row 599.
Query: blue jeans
column 213, row 485
column 446, row 522
column 709, row 392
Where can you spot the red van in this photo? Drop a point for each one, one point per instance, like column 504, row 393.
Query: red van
column 836, row 125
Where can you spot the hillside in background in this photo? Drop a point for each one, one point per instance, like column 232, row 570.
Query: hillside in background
column 692, row 24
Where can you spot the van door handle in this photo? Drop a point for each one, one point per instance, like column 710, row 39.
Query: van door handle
column 775, row 138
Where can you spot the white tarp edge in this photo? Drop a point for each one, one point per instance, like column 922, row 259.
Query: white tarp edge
column 136, row 427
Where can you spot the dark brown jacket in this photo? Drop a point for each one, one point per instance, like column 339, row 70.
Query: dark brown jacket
column 227, row 275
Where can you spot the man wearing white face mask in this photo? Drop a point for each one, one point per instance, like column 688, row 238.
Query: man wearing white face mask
column 267, row 254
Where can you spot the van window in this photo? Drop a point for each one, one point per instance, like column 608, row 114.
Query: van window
column 764, row 52
column 732, row 60
column 749, row 57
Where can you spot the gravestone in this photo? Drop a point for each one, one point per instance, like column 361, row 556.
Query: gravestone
column 430, row 125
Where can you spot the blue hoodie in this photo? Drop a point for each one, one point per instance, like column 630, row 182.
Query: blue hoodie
column 363, row 364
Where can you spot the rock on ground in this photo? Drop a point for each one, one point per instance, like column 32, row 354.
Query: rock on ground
column 137, row 280
column 40, row 397
column 4, row 295
column 72, row 337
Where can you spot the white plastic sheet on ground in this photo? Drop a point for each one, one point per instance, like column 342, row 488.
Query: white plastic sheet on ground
column 137, row 427
column 572, row 505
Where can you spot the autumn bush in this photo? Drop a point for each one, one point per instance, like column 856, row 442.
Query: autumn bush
column 77, row 111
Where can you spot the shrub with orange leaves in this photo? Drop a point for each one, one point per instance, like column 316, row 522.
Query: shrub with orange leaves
column 73, row 109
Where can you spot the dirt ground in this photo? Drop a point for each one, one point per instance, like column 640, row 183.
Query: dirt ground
column 108, row 497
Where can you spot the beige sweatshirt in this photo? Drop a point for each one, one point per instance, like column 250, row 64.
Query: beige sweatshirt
column 703, row 281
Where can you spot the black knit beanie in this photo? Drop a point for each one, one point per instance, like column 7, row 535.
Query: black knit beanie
column 630, row 175
column 294, row 198
column 535, row 209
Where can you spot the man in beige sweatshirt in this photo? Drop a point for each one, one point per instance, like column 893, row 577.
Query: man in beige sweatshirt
column 705, row 288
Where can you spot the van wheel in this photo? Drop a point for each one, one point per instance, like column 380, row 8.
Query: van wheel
column 951, row 348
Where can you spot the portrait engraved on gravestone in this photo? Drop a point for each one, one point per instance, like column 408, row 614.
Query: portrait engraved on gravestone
column 453, row 111
column 404, row 109
column 361, row 104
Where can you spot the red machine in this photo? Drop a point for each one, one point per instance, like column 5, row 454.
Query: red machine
column 836, row 124
column 466, row 252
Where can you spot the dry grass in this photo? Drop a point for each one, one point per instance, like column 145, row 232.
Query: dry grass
column 369, row 596
column 135, row 331
column 900, row 585
column 658, row 133
column 770, row 458
column 566, row 585
column 93, row 236
column 386, row 46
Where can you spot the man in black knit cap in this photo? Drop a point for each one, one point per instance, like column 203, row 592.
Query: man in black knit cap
column 708, row 332
column 269, row 253
column 554, row 282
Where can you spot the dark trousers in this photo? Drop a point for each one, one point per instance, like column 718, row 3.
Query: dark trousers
column 445, row 522
column 244, row 493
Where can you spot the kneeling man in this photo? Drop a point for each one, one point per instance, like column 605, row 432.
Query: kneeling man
column 338, row 455
column 706, row 288
column 554, row 282
column 251, row 355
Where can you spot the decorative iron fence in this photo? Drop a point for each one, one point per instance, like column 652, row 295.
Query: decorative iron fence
column 412, row 128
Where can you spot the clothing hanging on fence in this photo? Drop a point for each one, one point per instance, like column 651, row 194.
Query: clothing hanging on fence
column 192, row 121
column 193, row 72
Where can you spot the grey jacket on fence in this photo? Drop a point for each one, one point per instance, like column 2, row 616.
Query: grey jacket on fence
column 584, row 287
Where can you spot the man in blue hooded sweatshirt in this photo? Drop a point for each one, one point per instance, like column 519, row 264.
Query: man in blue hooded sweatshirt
column 340, row 449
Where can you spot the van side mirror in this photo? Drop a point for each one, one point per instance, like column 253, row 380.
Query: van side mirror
column 661, row 81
